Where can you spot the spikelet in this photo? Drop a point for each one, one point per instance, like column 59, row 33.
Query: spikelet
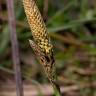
column 42, row 46
column 41, row 43
column 37, row 25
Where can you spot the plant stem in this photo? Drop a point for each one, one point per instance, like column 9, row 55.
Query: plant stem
column 15, row 49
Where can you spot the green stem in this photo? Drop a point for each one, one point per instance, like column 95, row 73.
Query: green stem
column 57, row 90
column 57, row 93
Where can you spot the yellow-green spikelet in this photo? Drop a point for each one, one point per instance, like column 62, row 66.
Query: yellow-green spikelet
column 37, row 25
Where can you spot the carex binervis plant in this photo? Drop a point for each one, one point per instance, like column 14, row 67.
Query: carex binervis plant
column 41, row 42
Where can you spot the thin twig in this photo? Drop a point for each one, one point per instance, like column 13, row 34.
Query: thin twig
column 45, row 9
column 15, row 50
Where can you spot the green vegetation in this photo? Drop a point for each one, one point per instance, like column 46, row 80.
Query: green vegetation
column 72, row 27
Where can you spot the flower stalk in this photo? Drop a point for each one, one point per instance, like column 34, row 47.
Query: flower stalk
column 41, row 42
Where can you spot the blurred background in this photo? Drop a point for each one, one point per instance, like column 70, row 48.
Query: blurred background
column 72, row 28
